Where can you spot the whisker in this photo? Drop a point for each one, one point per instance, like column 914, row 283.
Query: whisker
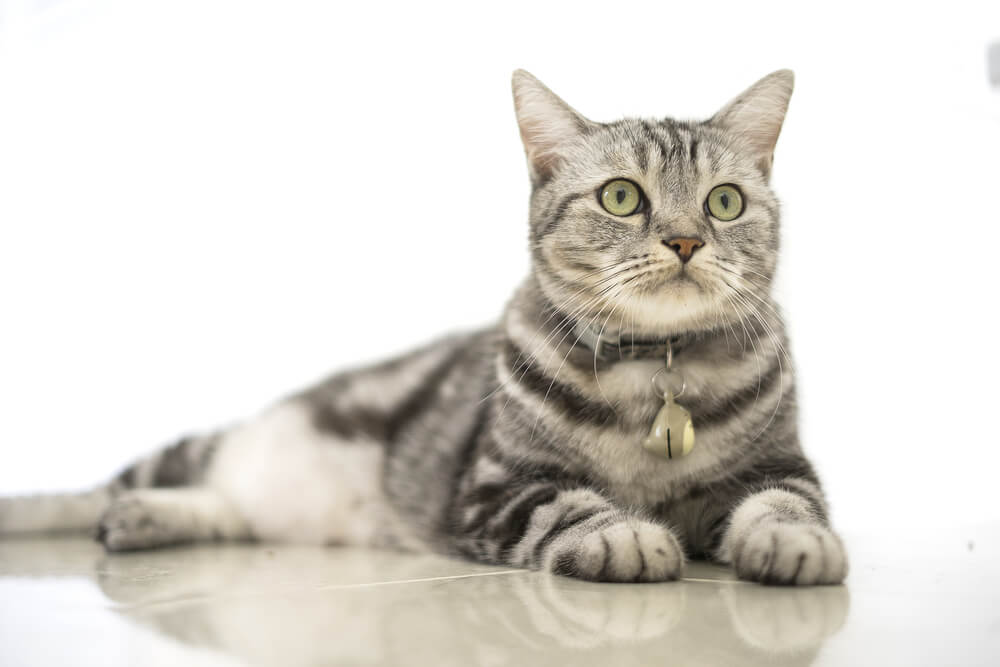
column 557, row 309
column 597, row 379
column 555, row 377
column 525, row 364
column 774, row 341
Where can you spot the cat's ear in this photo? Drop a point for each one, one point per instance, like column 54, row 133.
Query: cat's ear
column 757, row 113
column 548, row 125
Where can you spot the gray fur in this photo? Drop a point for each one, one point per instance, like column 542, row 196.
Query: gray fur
column 518, row 445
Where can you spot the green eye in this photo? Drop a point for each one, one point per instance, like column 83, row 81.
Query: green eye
column 621, row 197
column 725, row 202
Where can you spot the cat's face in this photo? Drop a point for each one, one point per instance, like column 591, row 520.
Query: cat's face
column 654, row 227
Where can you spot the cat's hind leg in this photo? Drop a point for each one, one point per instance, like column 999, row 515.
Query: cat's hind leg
column 163, row 500
column 149, row 518
column 181, row 465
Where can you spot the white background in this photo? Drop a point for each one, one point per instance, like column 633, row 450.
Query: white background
column 206, row 205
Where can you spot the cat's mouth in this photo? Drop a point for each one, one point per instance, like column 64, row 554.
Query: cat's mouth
column 680, row 277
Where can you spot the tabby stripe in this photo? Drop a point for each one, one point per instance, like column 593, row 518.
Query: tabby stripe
column 533, row 442
column 560, row 213
column 737, row 403
column 493, row 509
column 582, row 410
column 353, row 421
column 715, row 533
column 655, row 137
column 173, row 467
column 568, row 520
column 641, row 153
column 516, row 523
column 467, row 454
column 127, row 477
column 420, row 399
column 675, row 138
column 348, row 423
column 559, row 394
column 484, row 492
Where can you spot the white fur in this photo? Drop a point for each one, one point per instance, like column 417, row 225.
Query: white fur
column 144, row 518
column 624, row 551
column 775, row 536
column 292, row 483
column 489, row 471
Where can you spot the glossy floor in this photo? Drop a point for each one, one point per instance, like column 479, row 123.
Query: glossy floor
column 67, row 602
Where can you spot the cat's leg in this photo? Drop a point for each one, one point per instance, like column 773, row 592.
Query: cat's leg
column 181, row 464
column 308, row 469
column 779, row 534
column 147, row 518
column 564, row 529
column 276, row 477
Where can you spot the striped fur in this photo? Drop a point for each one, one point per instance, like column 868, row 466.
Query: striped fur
column 516, row 445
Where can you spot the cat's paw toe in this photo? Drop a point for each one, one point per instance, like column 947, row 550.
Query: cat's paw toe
column 130, row 523
column 625, row 551
column 791, row 554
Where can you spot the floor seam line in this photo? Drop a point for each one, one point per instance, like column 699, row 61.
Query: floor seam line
column 298, row 589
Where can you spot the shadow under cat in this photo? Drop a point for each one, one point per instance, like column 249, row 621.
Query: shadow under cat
column 301, row 605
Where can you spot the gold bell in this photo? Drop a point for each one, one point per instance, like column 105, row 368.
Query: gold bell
column 672, row 433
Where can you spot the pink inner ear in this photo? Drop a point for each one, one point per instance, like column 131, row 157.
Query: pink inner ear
column 757, row 114
column 546, row 122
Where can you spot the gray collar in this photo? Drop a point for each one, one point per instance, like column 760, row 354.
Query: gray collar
column 611, row 346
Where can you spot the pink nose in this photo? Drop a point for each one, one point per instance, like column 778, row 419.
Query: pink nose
column 684, row 247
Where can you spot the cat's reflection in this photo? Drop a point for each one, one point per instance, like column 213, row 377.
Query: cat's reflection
column 265, row 606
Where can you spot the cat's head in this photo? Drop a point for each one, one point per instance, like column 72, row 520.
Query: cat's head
column 653, row 226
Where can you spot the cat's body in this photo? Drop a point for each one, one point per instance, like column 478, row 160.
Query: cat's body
column 520, row 444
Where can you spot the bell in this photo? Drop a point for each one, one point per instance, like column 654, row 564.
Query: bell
column 672, row 433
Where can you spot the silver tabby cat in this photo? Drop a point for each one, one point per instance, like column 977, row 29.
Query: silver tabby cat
column 520, row 444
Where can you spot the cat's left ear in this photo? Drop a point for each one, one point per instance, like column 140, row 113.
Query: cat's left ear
column 548, row 125
column 757, row 114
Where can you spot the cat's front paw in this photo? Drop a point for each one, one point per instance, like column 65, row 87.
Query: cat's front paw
column 624, row 551
column 131, row 523
column 791, row 553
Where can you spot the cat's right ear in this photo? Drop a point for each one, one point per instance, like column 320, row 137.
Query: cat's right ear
column 548, row 125
column 756, row 115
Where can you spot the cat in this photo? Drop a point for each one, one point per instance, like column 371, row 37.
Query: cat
column 521, row 444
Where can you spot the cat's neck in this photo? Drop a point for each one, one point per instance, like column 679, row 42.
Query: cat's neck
column 541, row 328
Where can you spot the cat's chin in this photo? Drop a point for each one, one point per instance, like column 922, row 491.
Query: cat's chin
column 680, row 307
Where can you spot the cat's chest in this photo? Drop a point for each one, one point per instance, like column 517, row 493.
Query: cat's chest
column 635, row 389
column 615, row 450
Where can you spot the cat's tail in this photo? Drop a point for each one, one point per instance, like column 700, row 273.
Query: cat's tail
column 53, row 513
column 183, row 463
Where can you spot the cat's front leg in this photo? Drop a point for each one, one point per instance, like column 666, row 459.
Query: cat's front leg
column 574, row 532
column 780, row 535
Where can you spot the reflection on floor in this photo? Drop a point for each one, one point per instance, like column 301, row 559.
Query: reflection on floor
column 283, row 605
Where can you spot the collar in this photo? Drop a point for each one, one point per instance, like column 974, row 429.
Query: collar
column 616, row 346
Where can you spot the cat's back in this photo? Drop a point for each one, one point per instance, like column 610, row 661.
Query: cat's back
column 368, row 455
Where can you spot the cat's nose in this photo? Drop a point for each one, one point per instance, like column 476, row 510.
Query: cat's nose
column 683, row 247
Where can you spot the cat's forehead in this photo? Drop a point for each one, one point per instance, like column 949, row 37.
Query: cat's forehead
column 634, row 137
column 660, row 154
